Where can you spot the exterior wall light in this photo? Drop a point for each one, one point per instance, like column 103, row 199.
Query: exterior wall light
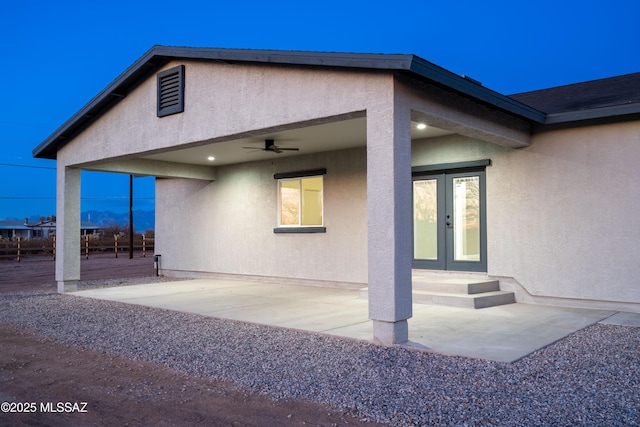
column 421, row 126
column 211, row 158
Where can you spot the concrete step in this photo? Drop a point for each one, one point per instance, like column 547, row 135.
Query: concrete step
column 456, row 285
column 482, row 300
column 464, row 291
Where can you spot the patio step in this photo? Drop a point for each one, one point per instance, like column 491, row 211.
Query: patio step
column 461, row 292
column 481, row 300
column 455, row 285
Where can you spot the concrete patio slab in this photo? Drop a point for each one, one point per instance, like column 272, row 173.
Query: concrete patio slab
column 504, row 333
column 623, row 319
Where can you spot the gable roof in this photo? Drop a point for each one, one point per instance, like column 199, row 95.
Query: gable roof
column 618, row 95
column 84, row 225
column 158, row 56
column 604, row 98
column 11, row 224
column 22, row 225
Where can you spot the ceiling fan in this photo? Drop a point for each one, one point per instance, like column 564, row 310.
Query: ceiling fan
column 270, row 145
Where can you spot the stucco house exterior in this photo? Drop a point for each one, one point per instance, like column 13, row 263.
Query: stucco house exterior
column 364, row 170
column 13, row 229
column 44, row 229
column 47, row 228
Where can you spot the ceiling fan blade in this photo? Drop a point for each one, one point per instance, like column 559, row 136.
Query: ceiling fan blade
column 269, row 145
column 253, row 149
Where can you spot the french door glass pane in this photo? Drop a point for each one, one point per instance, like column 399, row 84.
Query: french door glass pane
column 466, row 218
column 425, row 219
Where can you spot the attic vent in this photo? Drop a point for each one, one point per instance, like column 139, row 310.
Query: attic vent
column 171, row 91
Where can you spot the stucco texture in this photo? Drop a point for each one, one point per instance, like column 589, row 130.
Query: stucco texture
column 562, row 211
column 236, row 216
column 562, row 214
column 224, row 101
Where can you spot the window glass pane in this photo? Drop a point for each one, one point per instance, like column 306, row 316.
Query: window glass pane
column 425, row 219
column 312, row 201
column 466, row 218
column 290, row 202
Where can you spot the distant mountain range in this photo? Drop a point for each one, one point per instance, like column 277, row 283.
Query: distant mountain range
column 142, row 220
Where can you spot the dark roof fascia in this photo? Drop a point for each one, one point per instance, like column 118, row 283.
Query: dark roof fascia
column 594, row 113
column 158, row 56
column 109, row 96
column 470, row 88
column 394, row 62
column 320, row 59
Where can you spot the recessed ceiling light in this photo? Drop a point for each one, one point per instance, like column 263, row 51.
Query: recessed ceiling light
column 211, row 158
column 421, row 126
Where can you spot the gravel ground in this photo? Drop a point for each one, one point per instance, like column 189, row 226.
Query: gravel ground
column 590, row 378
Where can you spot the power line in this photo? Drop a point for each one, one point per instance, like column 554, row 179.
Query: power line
column 82, row 198
column 117, row 198
column 31, row 125
column 26, row 198
column 16, row 141
column 27, row 166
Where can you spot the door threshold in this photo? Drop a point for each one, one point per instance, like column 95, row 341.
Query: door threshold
column 447, row 273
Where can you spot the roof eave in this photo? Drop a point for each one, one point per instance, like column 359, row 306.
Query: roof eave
column 157, row 56
column 475, row 90
column 593, row 114
column 307, row 58
column 115, row 91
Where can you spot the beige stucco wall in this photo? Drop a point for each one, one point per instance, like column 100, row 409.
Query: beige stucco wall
column 563, row 214
column 223, row 101
column 226, row 226
column 226, row 101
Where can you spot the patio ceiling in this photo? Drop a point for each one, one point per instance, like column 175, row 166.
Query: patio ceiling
column 311, row 139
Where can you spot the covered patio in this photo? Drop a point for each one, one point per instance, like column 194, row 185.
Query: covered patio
column 250, row 121
column 306, row 167
column 505, row 333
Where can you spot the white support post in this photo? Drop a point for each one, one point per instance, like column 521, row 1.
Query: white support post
column 389, row 222
column 68, row 229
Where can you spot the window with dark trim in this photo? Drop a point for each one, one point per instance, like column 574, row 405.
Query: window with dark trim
column 301, row 202
column 171, row 91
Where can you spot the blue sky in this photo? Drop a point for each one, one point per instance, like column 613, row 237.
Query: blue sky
column 57, row 55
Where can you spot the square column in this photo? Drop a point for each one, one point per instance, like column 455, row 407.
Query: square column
column 389, row 222
column 67, row 229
